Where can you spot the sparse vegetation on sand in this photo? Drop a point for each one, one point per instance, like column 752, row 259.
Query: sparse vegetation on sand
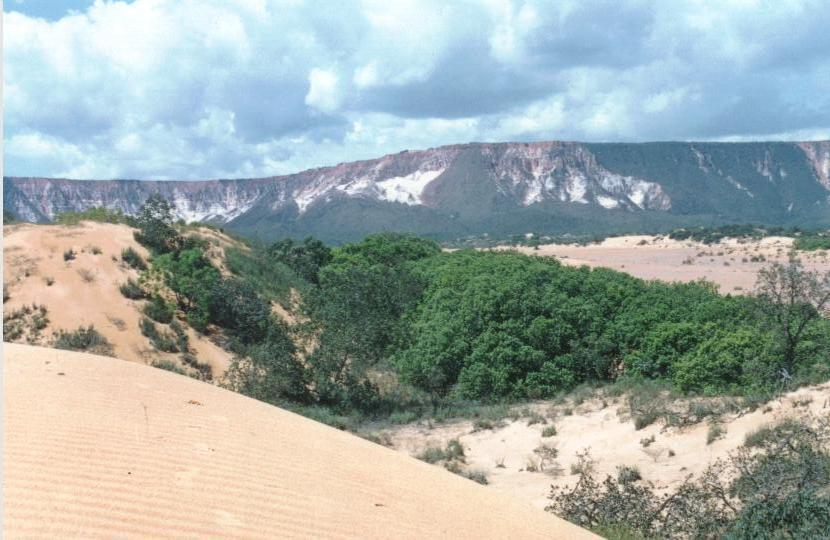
column 775, row 486
column 26, row 322
column 86, row 339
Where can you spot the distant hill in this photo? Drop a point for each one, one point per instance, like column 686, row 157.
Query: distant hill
column 498, row 189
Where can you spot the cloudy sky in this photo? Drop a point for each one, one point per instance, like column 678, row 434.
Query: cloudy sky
column 242, row 88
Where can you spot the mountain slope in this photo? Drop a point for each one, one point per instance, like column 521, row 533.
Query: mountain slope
column 99, row 447
column 484, row 188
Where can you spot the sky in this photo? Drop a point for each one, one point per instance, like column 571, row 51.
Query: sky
column 189, row 89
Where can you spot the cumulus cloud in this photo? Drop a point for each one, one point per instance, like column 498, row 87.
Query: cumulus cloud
column 241, row 88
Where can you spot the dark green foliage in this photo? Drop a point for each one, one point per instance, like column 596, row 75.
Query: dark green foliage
column 155, row 225
column 777, row 487
column 235, row 305
column 813, row 242
column 190, row 275
column 9, row 218
column 792, row 299
column 86, row 339
column 271, row 372
column 132, row 258
column 270, row 278
column 158, row 310
column 305, row 259
column 495, row 325
column 132, row 290
column 356, row 313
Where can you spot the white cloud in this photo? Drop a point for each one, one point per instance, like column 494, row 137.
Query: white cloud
column 223, row 88
column 323, row 90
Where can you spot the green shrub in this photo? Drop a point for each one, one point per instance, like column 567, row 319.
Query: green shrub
column 549, row 431
column 626, row 474
column 132, row 259
column 132, row 290
column 69, row 255
column 167, row 365
column 83, row 339
column 161, row 340
column 158, row 310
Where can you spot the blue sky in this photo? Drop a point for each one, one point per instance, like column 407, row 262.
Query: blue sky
column 243, row 88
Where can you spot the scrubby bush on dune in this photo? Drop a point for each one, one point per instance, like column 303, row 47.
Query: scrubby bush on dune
column 132, row 290
column 132, row 259
column 158, row 310
column 86, row 339
column 777, row 487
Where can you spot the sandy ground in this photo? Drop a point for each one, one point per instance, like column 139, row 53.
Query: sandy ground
column 98, row 447
column 33, row 253
column 729, row 264
column 609, row 436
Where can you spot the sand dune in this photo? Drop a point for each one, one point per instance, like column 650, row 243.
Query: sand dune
column 98, row 447
column 85, row 290
column 602, row 428
column 729, row 264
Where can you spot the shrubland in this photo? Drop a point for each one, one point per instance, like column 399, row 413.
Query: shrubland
column 392, row 327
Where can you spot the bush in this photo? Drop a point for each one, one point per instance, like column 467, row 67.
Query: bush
column 132, row 290
column 775, row 489
column 132, row 259
column 549, row 431
column 83, row 339
column 161, row 340
column 626, row 474
column 158, row 310
column 69, row 255
column 167, row 365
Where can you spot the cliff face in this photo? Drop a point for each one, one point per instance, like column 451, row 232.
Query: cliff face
column 500, row 188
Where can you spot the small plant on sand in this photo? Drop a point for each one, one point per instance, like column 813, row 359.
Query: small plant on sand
column 549, row 431
column 95, row 250
column 547, row 456
column 49, row 281
column 69, row 255
column 646, row 442
column 534, row 417
column 132, row 259
column 132, row 290
column 161, row 340
column 714, row 433
column 86, row 275
column 452, row 452
column 167, row 365
column 86, row 339
column 626, row 474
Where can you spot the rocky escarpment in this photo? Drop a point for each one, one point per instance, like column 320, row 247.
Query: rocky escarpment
column 485, row 188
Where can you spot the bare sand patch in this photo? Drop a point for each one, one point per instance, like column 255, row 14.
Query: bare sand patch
column 733, row 264
column 506, row 453
column 97, row 447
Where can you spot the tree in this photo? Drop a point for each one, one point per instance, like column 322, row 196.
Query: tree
column 791, row 299
column 305, row 259
column 155, row 224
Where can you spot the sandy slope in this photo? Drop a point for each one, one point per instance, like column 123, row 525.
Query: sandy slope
column 728, row 264
column 610, row 437
column 33, row 253
column 97, row 447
